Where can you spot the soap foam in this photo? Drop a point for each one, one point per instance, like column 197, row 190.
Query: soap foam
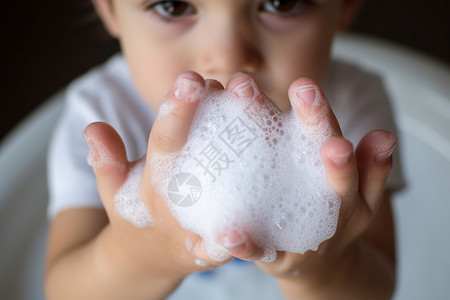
column 128, row 200
column 165, row 108
column 201, row 263
column 259, row 171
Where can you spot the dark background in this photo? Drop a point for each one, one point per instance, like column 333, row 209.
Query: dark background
column 46, row 44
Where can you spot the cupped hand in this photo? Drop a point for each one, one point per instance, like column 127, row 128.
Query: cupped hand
column 358, row 177
column 164, row 246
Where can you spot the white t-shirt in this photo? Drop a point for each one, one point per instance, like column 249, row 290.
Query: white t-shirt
column 107, row 94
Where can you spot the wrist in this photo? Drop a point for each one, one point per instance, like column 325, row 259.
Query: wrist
column 361, row 272
column 147, row 279
column 317, row 279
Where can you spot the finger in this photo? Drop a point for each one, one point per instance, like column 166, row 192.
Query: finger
column 202, row 258
column 244, row 87
column 108, row 159
column 261, row 109
column 312, row 107
column 374, row 155
column 239, row 244
column 341, row 171
column 171, row 127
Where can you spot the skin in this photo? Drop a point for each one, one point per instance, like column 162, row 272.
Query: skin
column 90, row 250
column 273, row 48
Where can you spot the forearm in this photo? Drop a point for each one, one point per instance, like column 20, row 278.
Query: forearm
column 364, row 273
column 93, row 271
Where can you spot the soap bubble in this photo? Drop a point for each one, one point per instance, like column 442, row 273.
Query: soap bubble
column 232, row 171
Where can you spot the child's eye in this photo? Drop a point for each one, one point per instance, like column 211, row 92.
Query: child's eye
column 172, row 9
column 283, row 7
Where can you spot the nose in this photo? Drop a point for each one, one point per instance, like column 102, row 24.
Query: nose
column 228, row 47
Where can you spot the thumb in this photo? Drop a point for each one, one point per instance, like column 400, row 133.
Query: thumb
column 108, row 159
column 374, row 154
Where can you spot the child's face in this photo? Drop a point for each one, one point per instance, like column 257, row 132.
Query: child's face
column 275, row 41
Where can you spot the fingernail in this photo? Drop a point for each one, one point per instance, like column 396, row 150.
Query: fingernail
column 245, row 90
column 233, row 241
column 391, row 143
column 340, row 159
column 307, row 94
column 186, row 89
column 383, row 156
column 99, row 155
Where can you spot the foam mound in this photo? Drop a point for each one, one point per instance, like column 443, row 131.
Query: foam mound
column 249, row 167
column 128, row 200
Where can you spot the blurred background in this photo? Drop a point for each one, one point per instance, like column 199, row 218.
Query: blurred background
column 46, row 44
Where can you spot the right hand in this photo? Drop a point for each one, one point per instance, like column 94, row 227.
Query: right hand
column 160, row 249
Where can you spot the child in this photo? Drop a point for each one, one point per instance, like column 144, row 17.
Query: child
column 281, row 46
